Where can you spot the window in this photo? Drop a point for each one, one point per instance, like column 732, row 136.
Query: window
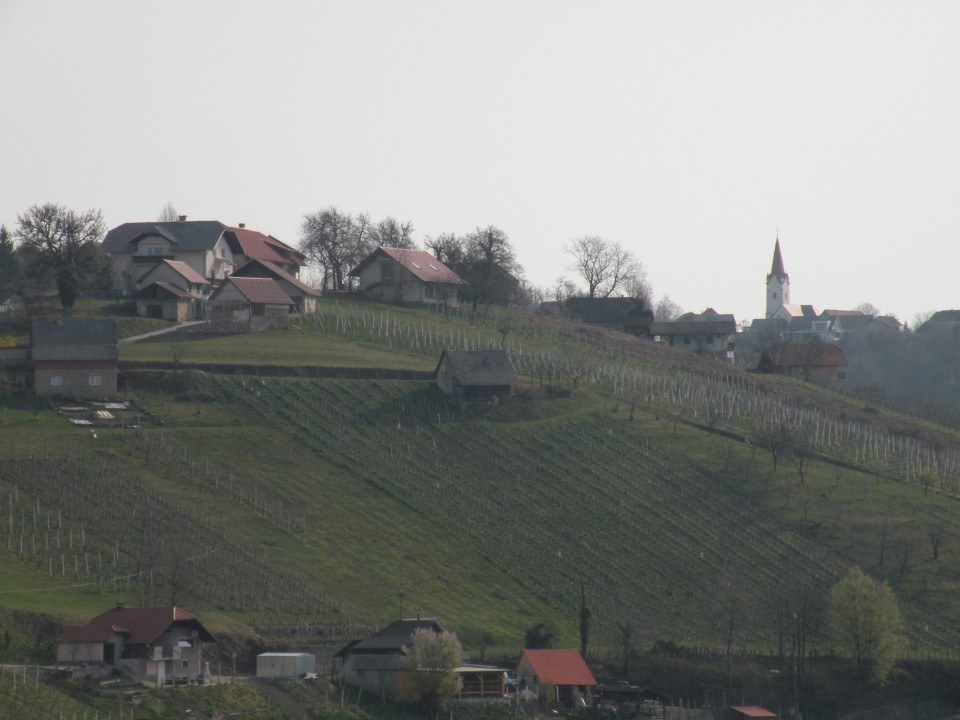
column 386, row 271
column 154, row 250
column 95, row 380
column 56, row 379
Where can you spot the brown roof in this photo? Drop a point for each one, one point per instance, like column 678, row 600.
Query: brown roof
column 753, row 711
column 182, row 269
column 149, row 291
column 257, row 246
column 560, row 667
column 806, row 355
column 421, row 264
column 277, row 272
column 141, row 625
column 257, row 291
column 74, row 340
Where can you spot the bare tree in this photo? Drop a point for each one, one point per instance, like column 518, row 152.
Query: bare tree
column 389, row 232
column 168, row 213
column 448, row 249
column 335, row 241
column 606, row 267
column 666, row 310
column 868, row 309
column 64, row 245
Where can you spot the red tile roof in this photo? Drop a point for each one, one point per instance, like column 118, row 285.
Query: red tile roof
column 188, row 273
column 753, row 711
column 277, row 272
column 141, row 625
column 560, row 667
column 421, row 264
column 806, row 355
column 257, row 246
column 258, row 291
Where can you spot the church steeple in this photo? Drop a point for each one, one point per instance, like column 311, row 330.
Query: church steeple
column 778, row 282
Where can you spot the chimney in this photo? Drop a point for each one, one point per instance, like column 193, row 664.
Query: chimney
column 243, row 226
column 182, row 218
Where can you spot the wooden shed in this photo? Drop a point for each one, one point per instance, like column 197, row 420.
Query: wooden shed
column 476, row 375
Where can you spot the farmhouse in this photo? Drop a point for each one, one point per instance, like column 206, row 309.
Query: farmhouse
column 75, row 358
column 256, row 303
column 303, row 296
column 708, row 333
column 376, row 663
column 475, row 375
column 407, row 276
column 564, row 669
column 158, row 645
column 816, row 362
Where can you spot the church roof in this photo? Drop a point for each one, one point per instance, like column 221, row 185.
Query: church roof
column 776, row 269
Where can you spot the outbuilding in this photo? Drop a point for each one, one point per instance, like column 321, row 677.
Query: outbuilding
column 285, row 665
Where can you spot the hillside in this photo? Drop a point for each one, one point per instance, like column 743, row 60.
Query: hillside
column 295, row 500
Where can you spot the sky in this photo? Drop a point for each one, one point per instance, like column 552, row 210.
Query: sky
column 692, row 133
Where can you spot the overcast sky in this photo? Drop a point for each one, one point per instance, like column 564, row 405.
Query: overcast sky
column 690, row 132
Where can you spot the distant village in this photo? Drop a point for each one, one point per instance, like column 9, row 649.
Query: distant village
column 236, row 279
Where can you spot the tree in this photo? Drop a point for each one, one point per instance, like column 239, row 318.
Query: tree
column 9, row 259
column 864, row 617
column 336, row 242
column 666, row 310
column 448, row 249
column 430, row 660
column 391, row 233
column 490, row 266
column 868, row 309
column 607, row 268
column 62, row 245
column 584, row 620
column 540, row 637
column 169, row 213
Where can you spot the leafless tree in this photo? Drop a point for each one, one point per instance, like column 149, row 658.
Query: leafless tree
column 389, row 232
column 335, row 241
column 168, row 213
column 448, row 249
column 666, row 310
column 606, row 267
column 935, row 533
column 868, row 309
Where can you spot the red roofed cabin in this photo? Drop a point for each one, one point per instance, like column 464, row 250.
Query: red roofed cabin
column 158, row 645
column 251, row 303
column 816, row 362
column 751, row 711
column 407, row 276
column 564, row 669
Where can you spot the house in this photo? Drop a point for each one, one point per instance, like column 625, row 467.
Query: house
column 304, row 297
column 626, row 314
column 407, row 276
column 159, row 645
column 564, row 669
column 213, row 250
column 178, row 273
column 375, row 664
column 475, row 375
column 11, row 303
column 707, row 333
column 943, row 323
column 15, row 366
column 166, row 302
column 816, row 362
column 253, row 302
column 74, row 358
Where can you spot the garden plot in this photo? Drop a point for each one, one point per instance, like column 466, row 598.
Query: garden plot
column 103, row 414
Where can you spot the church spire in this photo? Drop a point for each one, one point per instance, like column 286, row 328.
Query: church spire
column 778, row 282
column 776, row 270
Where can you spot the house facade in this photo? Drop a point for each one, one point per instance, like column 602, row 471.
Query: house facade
column 815, row 362
column 708, row 333
column 158, row 645
column 303, row 296
column 407, row 276
column 75, row 358
column 167, row 302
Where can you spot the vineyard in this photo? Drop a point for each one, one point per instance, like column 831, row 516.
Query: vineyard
column 680, row 491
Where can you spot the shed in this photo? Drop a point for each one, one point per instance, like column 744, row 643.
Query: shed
column 475, row 375
column 564, row 669
column 252, row 301
column 285, row 665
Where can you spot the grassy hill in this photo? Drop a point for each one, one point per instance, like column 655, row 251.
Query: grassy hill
column 321, row 504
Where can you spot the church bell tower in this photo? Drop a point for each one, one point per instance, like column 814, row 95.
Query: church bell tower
column 778, row 283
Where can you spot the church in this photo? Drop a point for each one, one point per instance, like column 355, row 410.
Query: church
column 778, row 292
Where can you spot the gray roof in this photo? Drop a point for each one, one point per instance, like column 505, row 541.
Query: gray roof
column 610, row 310
column 186, row 236
column 395, row 636
column 690, row 327
column 74, row 340
column 474, row 368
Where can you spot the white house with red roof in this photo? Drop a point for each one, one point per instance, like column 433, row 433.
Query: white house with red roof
column 159, row 645
column 248, row 245
column 179, row 274
column 407, row 276
column 562, row 668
